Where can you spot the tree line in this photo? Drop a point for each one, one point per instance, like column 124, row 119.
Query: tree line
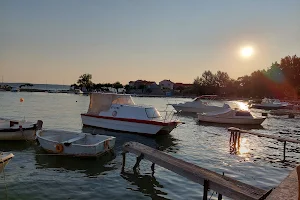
column 278, row 81
column 85, row 80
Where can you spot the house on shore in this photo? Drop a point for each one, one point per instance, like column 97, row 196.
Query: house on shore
column 166, row 84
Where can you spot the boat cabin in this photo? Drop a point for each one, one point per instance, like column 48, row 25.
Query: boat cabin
column 111, row 105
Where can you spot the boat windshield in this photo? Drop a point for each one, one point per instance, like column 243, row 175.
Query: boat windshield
column 206, row 97
column 152, row 113
column 102, row 101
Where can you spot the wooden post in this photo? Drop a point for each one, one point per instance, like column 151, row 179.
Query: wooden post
column 138, row 160
column 298, row 175
column 219, row 196
column 205, row 189
column 284, row 145
column 152, row 168
column 124, row 159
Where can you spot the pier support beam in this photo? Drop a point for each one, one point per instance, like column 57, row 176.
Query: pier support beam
column 284, row 146
column 205, row 189
column 138, row 160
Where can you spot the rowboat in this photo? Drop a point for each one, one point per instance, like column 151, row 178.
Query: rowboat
column 74, row 143
column 119, row 112
column 231, row 116
column 5, row 157
column 18, row 130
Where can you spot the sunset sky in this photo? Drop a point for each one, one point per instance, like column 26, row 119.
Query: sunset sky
column 56, row 41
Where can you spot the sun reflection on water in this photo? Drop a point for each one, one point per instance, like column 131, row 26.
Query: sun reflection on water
column 244, row 147
column 242, row 105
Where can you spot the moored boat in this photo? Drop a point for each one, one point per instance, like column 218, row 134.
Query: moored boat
column 270, row 104
column 75, row 144
column 198, row 105
column 5, row 157
column 230, row 116
column 18, row 130
column 119, row 112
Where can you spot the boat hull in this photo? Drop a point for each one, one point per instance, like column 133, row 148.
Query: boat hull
column 275, row 107
column 78, row 149
column 128, row 125
column 240, row 121
column 27, row 134
column 201, row 109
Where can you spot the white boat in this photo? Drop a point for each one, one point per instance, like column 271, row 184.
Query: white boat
column 15, row 89
column 230, row 116
column 75, row 144
column 78, row 91
column 271, row 104
column 5, row 157
column 119, row 112
column 198, row 106
column 18, row 130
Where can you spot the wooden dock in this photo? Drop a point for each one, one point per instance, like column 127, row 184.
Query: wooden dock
column 223, row 185
column 288, row 188
column 236, row 133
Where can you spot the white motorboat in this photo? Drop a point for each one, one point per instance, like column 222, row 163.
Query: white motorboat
column 271, row 104
column 198, row 105
column 75, row 144
column 230, row 116
column 78, row 91
column 18, row 130
column 5, row 157
column 119, row 112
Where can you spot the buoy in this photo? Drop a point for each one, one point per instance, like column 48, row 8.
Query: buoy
column 21, row 99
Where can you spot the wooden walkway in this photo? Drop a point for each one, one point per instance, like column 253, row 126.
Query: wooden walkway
column 223, row 185
column 288, row 188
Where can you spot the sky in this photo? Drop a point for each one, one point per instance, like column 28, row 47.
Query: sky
column 55, row 41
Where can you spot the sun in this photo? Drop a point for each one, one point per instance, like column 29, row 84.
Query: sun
column 247, row 52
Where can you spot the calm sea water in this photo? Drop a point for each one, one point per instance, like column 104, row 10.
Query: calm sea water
column 33, row 174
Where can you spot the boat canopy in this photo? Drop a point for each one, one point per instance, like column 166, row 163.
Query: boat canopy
column 102, row 101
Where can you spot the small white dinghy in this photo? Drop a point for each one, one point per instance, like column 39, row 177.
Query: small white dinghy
column 18, row 130
column 5, row 157
column 75, row 144
column 230, row 116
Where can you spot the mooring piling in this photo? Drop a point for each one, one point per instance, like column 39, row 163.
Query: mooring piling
column 235, row 133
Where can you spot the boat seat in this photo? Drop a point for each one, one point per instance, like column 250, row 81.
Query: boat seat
column 68, row 142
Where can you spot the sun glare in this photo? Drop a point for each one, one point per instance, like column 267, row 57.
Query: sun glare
column 246, row 52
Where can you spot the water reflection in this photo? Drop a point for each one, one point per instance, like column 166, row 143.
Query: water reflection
column 164, row 142
column 90, row 166
column 146, row 184
column 16, row 145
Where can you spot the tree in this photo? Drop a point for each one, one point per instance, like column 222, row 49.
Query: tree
column 117, row 85
column 142, row 87
column 85, row 80
column 127, row 88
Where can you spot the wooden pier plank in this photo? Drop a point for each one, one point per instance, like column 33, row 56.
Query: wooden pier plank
column 224, row 185
column 265, row 135
column 287, row 189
